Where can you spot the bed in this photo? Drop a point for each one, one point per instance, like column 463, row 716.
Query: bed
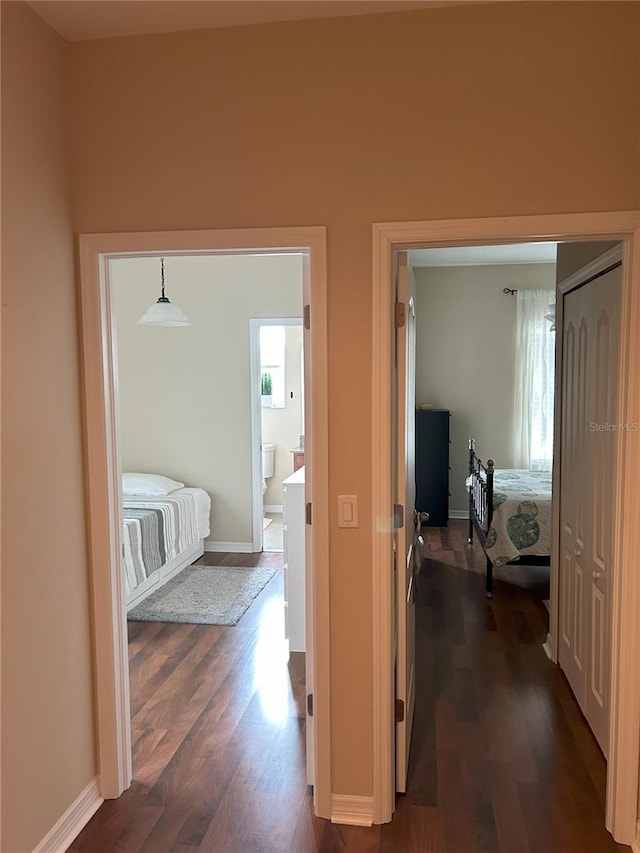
column 162, row 534
column 510, row 512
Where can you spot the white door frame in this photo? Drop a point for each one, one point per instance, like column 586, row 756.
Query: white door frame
column 256, row 418
column 623, row 765
column 103, row 485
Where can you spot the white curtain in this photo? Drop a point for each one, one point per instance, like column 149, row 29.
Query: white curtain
column 534, row 374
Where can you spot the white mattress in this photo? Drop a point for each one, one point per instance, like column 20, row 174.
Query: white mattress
column 203, row 509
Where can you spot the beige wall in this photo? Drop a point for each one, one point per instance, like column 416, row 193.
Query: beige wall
column 185, row 393
column 317, row 122
column 283, row 427
column 330, row 134
column 47, row 701
column 465, row 357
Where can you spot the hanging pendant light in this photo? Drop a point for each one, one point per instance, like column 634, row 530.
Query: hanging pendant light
column 163, row 312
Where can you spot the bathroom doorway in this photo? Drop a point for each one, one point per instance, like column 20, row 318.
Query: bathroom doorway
column 277, row 406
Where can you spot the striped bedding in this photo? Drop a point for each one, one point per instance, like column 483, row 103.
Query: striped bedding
column 155, row 531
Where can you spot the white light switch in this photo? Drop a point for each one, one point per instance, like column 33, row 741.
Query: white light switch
column 347, row 511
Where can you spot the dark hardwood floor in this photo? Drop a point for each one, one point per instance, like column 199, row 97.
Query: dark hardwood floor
column 501, row 758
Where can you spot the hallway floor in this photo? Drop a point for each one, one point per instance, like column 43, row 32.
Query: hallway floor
column 502, row 760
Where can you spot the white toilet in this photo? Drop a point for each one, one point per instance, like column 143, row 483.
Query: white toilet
column 268, row 462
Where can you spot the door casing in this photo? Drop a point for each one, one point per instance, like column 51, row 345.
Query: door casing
column 103, row 475
column 406, row 532
column 624, row 740
column 257, row 513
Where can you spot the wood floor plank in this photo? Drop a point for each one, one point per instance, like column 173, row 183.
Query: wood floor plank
column 501, row 758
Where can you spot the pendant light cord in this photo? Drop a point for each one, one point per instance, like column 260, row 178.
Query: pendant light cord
column 163, row 298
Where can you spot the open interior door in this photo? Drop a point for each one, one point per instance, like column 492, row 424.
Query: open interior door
column 405, row 518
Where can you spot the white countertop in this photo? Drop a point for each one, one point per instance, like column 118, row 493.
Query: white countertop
column 296, row 477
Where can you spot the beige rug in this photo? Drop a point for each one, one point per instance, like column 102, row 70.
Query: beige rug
column 204, row 595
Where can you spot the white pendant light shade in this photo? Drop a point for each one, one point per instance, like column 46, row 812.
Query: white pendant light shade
column 163, row 312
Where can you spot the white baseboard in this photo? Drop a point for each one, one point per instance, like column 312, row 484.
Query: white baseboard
column 459, row 513
column 352, row 810
column 73, row 821
column 272, row 507
column 232, row 547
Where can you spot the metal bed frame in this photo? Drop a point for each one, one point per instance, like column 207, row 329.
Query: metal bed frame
column 481, row 510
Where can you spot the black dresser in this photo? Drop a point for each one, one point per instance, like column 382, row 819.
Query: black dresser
column 432, row 465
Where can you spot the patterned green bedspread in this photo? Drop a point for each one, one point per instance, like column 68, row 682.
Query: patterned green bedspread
column 521, row 521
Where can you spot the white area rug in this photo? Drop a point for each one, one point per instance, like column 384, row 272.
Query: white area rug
column 204, row 595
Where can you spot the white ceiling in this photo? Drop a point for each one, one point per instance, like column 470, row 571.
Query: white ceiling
column 81, row 20
column 460, row 256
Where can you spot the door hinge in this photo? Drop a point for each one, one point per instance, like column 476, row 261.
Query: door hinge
column 307, row 513
column 310, row 704
column 398, row 516
column 399, row 710
column 399, row 315
column 307, row 316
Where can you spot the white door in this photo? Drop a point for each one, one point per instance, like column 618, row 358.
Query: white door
column 405, row 532
column 588, row 452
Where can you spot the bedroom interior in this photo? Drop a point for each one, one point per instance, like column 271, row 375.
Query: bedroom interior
column 170, row 426
column 181, row 406
column 185, row 401
column 499, row 366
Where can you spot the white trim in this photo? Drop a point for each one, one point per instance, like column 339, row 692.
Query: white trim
column 551, row 645
column 622, row 768
column 383, row 745
column 113, row 734
column 212, row 546
column 351, row 810
column 256, row 436
column 624, row 701
column 606, row 259
column 73, row 821
column 459, row 513
column 318, row 669
column 274, row 508
column 104, row 500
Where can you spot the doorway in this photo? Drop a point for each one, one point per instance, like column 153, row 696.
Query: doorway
column 623, row 765
column 104, row 493
column 277, row 420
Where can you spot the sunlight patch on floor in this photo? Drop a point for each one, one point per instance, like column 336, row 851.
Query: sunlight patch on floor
column 270, row 672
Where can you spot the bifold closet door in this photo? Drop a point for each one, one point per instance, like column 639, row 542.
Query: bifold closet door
column 588, row 450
